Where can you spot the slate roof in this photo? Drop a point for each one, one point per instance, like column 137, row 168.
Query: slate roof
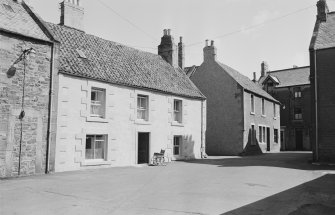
column 16, row 18
column 246, row 83
column 290, row 77
column 115, row 63
column 323, row 36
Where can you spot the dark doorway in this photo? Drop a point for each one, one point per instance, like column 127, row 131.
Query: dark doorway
column 143, row 148
column 268, row 139
column 299, row 139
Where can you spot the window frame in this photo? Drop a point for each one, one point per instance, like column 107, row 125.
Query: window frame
column 178, row 114
column 275, row 135
column 142, row 109
column 104, row 148
column 297, row 116
column 102, row 101
column 177, row 146
column 263, row 107
column 274, row 110
column 252, row 103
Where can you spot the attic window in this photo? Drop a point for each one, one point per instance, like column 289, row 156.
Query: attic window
column 8, row 7
column 81, row 54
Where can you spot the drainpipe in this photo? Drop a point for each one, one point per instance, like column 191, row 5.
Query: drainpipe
column 202, row 130
column 316, row 110
column 51, row 93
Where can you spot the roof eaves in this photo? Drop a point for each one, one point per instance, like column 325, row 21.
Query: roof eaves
column 133, row 86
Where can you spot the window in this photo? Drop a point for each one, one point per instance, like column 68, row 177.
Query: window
column 95, row 147
column 176, row 145
column 252, row 135
column 263, row 107
column 297, row 93
column 274, row 110
column 297, row 113
column 142, row 107
column 275, row 135
column 177, row 110
column 262, row 134
column 98, row 102
column 252, row 104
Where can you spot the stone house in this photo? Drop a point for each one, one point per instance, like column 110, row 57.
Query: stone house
column 118, row 105
column 26, row 71
column 292, row 88
column 241, row 117
column 322, row 54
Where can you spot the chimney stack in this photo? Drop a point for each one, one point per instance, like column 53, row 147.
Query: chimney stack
column 322, row 10
column 254, row 80
column 167, row 49
column 181, row 54
column 209, row 52
column 72, row 14
column 264, row 69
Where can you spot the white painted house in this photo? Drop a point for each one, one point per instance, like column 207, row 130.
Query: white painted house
column 118, row 105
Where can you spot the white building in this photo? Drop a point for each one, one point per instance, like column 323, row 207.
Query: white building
column 118, row 105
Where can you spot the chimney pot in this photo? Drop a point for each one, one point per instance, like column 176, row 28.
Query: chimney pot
column 169, row 32
column 206, row 44
column 167, row 49
column 212, row 43
column 164, row 32
column 254, row 80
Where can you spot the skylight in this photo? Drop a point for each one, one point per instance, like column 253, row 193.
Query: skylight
column 81, row 54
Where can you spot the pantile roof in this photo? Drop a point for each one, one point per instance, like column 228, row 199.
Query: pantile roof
column 290, row 77
column 115, row 63
column 323, row 36
column 16, row 18
column 246, row 83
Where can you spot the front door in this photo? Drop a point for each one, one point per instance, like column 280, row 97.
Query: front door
column 143, row 148
column 268, row 139
column 299, row 139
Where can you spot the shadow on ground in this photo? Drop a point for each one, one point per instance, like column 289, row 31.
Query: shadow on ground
column 314, row 197
column 292, row 160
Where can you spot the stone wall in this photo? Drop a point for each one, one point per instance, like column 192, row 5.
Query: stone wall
column 36, row 105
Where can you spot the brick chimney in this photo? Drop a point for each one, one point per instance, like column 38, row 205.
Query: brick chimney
column 209, row 52
column 322, row 10
column 167, row 49
column 72, row 14
column 264, row 69
column 181, row 54
column 254, row 79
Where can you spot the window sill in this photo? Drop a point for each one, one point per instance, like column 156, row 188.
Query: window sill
column 142, row 122
column 96, row 119
column 174, row 123
column 264, row 116
column 275, row 118
column 252, row 113
column 95, row 163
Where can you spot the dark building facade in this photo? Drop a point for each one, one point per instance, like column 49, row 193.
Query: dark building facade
column 322, row 55
column 292, row 88
column 242, row 119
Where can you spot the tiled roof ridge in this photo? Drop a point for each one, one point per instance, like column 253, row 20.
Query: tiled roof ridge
column 101, row 38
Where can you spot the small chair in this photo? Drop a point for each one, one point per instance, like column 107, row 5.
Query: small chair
column 159, row 158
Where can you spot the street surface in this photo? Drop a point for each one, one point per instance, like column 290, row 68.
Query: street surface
column 282, row 183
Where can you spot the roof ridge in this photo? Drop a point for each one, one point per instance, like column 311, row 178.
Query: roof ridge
column 101, row 38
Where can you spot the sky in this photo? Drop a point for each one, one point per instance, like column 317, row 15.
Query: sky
column 245, row 32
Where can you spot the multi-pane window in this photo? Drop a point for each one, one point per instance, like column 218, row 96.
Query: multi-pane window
column 98, row 102
column 95, row 147
column 252, row 136
column 262, row 134
column 275, row 135
column 176, row 145
column 177, row 110
column 252, row 104
column 297, row 113
column 263, row 107
column 142, row 107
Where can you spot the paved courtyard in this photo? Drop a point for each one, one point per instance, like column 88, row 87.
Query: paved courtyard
column 283, row 183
